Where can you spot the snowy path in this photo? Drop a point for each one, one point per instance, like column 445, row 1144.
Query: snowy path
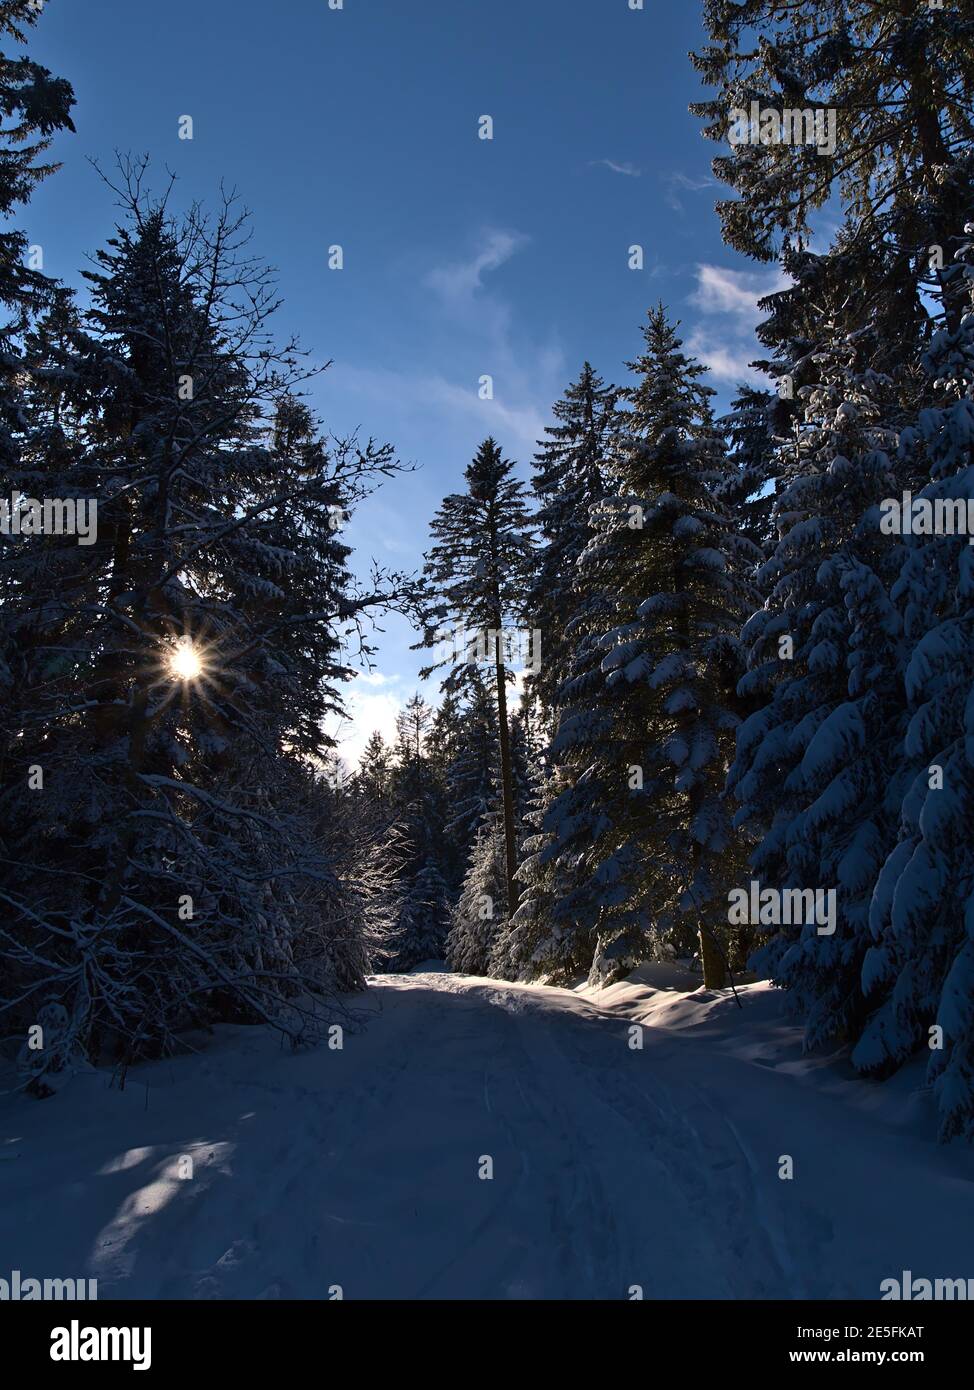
column 612, row 1167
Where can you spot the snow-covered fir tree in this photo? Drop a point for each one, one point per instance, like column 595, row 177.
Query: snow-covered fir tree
column 918, row 974
column 480, row 914
column 418, row 919
column 410, row 901
column 476, row 573
column 812, row 764
column 34, row 104
column 567, row 481
column 410, row 860
column 895, row 87
column 172, row 683
column 472, row 775
column 373, row 777
column 632, row 842
column 747, row 491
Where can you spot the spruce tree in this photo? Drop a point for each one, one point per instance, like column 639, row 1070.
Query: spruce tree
column 918, row 973
column 187, row 658
column 472, row 775
column 748, row 490
column 417, row 913
column 479, row 918
column 476, row 573
column 410, row 895
column 901, row 81
column 34, row 105
column 568, row 482
column 813, row 763
column 413, row 724
column 637, row 828
column 374, row 776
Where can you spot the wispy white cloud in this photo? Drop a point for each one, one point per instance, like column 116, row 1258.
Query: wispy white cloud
column 513, row 415
column 526, row 376
column 724, row 363
column 458, row 283
column 676, row 183
column 737, row 292
column 631, row 171
column 725, row 342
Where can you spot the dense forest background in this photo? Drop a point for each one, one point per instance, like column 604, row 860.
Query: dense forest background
column 743, row 672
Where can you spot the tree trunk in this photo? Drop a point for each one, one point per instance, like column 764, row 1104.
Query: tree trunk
column 926, row 104
column 711, row 957
column 714, row 969
column 507, row 779
column 503, row 732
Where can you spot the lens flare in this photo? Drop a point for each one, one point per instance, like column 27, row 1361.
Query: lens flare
column 185, row 663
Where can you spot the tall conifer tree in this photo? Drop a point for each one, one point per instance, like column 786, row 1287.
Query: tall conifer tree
column 477, row 572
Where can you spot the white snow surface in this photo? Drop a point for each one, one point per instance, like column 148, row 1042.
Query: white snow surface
column 612, row 1167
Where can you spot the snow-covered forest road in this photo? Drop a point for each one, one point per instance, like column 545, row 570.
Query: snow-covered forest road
column 612, row 1167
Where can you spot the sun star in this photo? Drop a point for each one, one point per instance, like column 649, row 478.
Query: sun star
column 185, row 663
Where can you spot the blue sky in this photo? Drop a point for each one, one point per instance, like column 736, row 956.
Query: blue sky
column 462, row 257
